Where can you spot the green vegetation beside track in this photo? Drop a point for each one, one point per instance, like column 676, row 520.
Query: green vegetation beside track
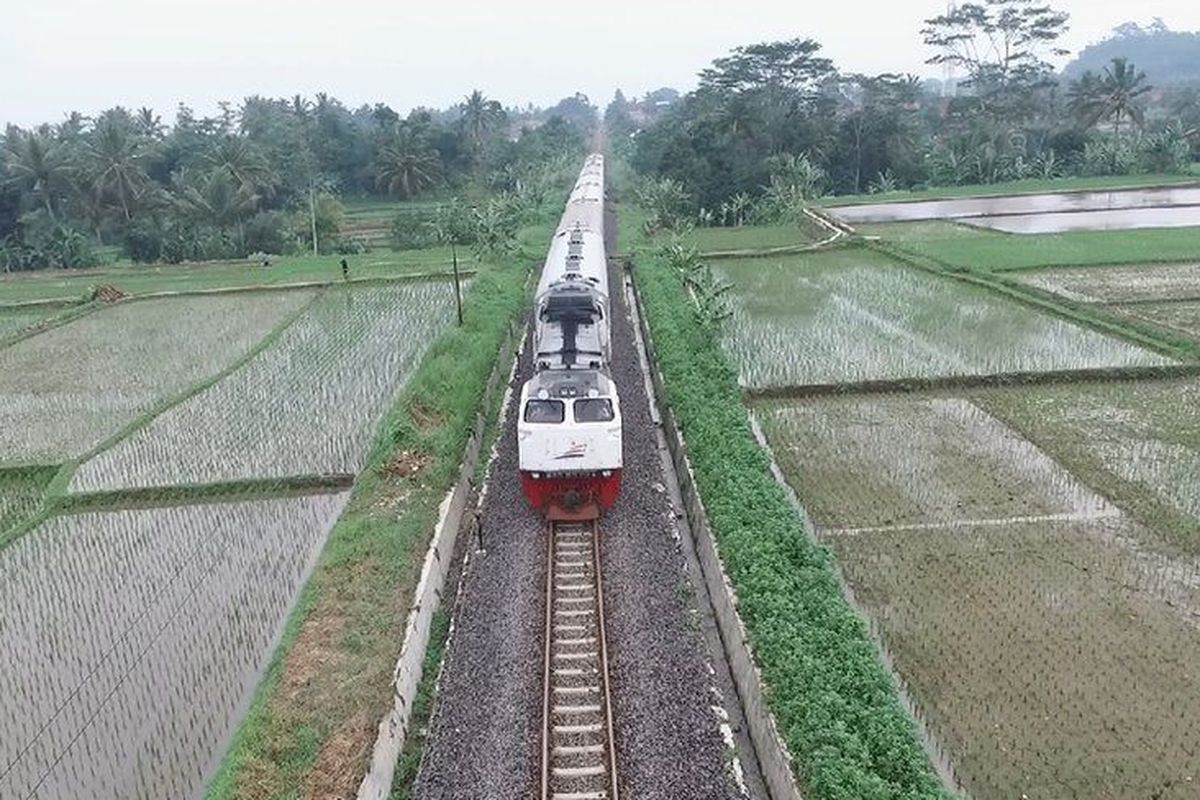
column 836, row 705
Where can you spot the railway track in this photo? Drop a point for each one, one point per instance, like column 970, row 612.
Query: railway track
column 578, row 753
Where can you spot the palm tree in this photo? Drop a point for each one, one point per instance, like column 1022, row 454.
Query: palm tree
column 1123, row 84
column 1085, row 99
column 214, row 198
column 36, row 164
column 480, row 116
column 407, row 164
column 237, row 157
column 149, row 124
column 113, row 160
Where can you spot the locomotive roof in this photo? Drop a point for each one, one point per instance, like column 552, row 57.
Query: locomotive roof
column 570, row 383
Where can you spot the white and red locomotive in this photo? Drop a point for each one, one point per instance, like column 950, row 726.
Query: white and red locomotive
column 569, row 429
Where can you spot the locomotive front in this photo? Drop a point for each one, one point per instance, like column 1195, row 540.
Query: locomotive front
column 569, row 429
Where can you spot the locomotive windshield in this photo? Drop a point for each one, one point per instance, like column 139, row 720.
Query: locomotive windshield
column 593, row 409
column 545, row 411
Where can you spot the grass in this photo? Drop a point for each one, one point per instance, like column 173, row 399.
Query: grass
column 834, row 701
column 1027, row 186
column 73, row 285
column 853, row 314
column 970, row 248
column 313, row 718
column 21, row 495
column 747, row 237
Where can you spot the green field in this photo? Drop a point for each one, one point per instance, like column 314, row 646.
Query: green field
column 1120, row 284
column 971, row 248
column 851, row 315
column 1027, row 186
column 64, row 391
column 307, row 405
column 75, row 284
column 749, row 237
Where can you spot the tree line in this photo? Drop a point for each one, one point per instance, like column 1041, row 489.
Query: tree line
column 264, row 176
column 771, row 125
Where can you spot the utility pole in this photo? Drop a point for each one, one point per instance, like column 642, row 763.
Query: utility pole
column 457, row 287
column 312, row 215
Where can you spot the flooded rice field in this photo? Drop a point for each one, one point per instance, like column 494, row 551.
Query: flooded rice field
column 1115, row 220
column 852, row 315
column 1138, row 443
column 134, row 639
column 308, row 405
column 901, row 461
column 1181, row 318
column 1042, row 204
column 64, row 391
column 1044, row 632
column 1132, row 283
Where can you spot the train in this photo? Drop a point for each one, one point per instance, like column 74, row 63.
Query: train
column 569, row 424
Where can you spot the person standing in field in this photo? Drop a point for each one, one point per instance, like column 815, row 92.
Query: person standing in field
column 345, row 270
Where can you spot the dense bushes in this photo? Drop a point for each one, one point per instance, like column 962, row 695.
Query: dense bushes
column 835, row 703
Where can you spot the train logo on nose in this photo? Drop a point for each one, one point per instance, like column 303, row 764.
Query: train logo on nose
column 576, row 450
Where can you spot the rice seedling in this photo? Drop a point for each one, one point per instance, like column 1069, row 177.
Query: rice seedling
column 66, row 390
column 1043, row 634
column 1175, row 317
column 852, row 315
column 12, row 322
column 1134, row 282
column 307, row 405
column 1138, row 443
column 132, row 693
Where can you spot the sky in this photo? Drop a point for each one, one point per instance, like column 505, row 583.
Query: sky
column 87, row 55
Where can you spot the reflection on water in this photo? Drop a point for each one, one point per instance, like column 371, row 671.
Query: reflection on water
column 1022, row 204
column 1116, row 220
column 132, row 640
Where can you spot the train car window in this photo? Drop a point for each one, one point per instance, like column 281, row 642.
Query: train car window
column 545, row 411
column 593, row 409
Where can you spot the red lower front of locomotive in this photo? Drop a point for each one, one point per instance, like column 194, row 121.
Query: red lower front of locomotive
column 571, row 496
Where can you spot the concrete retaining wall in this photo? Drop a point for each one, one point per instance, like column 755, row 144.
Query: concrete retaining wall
column 393, row 730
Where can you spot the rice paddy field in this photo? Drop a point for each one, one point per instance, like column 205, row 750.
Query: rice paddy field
column 851, row 315
column 64, row 391
column 305, row 406
column 1027, row 557
column 137, row 626
column 74, row 285
column 130, row 693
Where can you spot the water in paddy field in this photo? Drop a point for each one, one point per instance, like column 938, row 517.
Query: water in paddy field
column 1114, row 220
column 134, row 638
column 1042, row 204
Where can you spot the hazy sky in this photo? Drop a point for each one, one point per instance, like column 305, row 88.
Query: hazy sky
column 59, row 55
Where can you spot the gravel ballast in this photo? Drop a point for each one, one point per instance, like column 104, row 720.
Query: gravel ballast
column 485, row 735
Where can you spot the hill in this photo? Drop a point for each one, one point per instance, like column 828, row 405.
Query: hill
column 1168, row 57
